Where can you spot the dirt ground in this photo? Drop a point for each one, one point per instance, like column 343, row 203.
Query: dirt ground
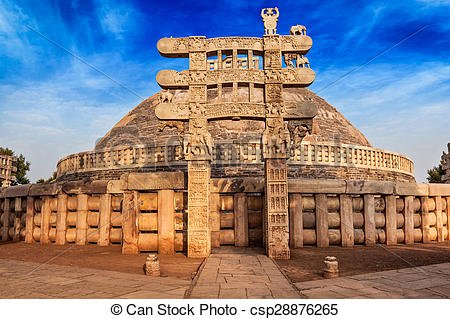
column 104, row 258
column 307, row 263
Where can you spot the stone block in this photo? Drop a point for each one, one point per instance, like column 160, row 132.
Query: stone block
column 411, row 189
column 17, row 191
column 155, row 181
column 327, row 186
column 369, row 187
column 439, row 189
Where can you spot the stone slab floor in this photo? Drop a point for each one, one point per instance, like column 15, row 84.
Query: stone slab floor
column 227, row 273
column 21, row 279
column 432, row 281
column 241, row 273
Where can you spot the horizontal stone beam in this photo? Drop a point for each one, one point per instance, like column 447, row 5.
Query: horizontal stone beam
column 154, row 181
column 85, row 187
column 237, row 185
column 171, row 79
column 17, row 191
column 180, row 47
column 212, row 111
column 327, row 186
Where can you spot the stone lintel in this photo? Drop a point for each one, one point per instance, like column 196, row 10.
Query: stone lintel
column 438, row 189
column 327, row 186
column 369, row 187
column 44, row 189
column 237, row 185
column 154, row 181
column 83, row 187
column 17, row 191
column 413, row 189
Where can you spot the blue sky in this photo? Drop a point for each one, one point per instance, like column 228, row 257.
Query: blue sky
column 384, row 64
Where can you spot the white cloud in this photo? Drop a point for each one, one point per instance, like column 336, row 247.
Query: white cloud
column 117, row 18
column 403, row 109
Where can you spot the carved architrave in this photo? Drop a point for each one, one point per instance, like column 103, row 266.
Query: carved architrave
column 300, row 110
column 197, row 43
column 299, row 44
column 179, row 47
column 288, row 77
column 298, row 77
column 174, row 79
column 172, row 111
column 181, row 111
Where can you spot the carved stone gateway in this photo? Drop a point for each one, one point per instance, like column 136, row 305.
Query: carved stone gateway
column 216, row 64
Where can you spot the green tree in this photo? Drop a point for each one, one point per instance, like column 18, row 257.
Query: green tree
column 48, row 180
column 23, row 166
column 435, row 174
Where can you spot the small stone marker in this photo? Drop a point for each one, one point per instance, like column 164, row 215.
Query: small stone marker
column 151, row 267
column 331, row 267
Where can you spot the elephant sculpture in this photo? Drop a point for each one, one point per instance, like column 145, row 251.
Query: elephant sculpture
column 298, row 30
column 165, row 97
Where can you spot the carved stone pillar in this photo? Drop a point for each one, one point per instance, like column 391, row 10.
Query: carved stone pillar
column 276, row 151
column 198, row 151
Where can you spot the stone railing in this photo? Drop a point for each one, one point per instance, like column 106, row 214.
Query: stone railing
column 351, row 155
column 335, row 212
column 231, row 152
column 126, row 212
column 147, row 212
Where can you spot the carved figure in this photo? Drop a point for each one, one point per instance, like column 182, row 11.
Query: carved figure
column 199, row 141
column 275, row 138
column 297, row 132
column 197, row 109
column 290, row 60
column 270, row 19
column 298, row 30
column 302, row 62
column 165, row 96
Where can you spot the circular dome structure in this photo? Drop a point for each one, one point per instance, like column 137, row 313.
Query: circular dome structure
column 140, row 142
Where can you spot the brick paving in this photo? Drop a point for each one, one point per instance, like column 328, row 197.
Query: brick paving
column 241, row 273
column 17, row 280
column 432, row 281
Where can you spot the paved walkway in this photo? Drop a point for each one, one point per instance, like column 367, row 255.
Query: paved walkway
column 246, row 273
column 227, row 273
column 431, row 281
column 54, row 281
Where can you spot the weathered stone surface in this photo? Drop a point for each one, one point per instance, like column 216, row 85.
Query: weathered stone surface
column 438, row 189
column 17, row 191
column 44, row 189
column 369, row 187
column 412, row 189
column 157, row 180
column 329, row 186
column 85, row 187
